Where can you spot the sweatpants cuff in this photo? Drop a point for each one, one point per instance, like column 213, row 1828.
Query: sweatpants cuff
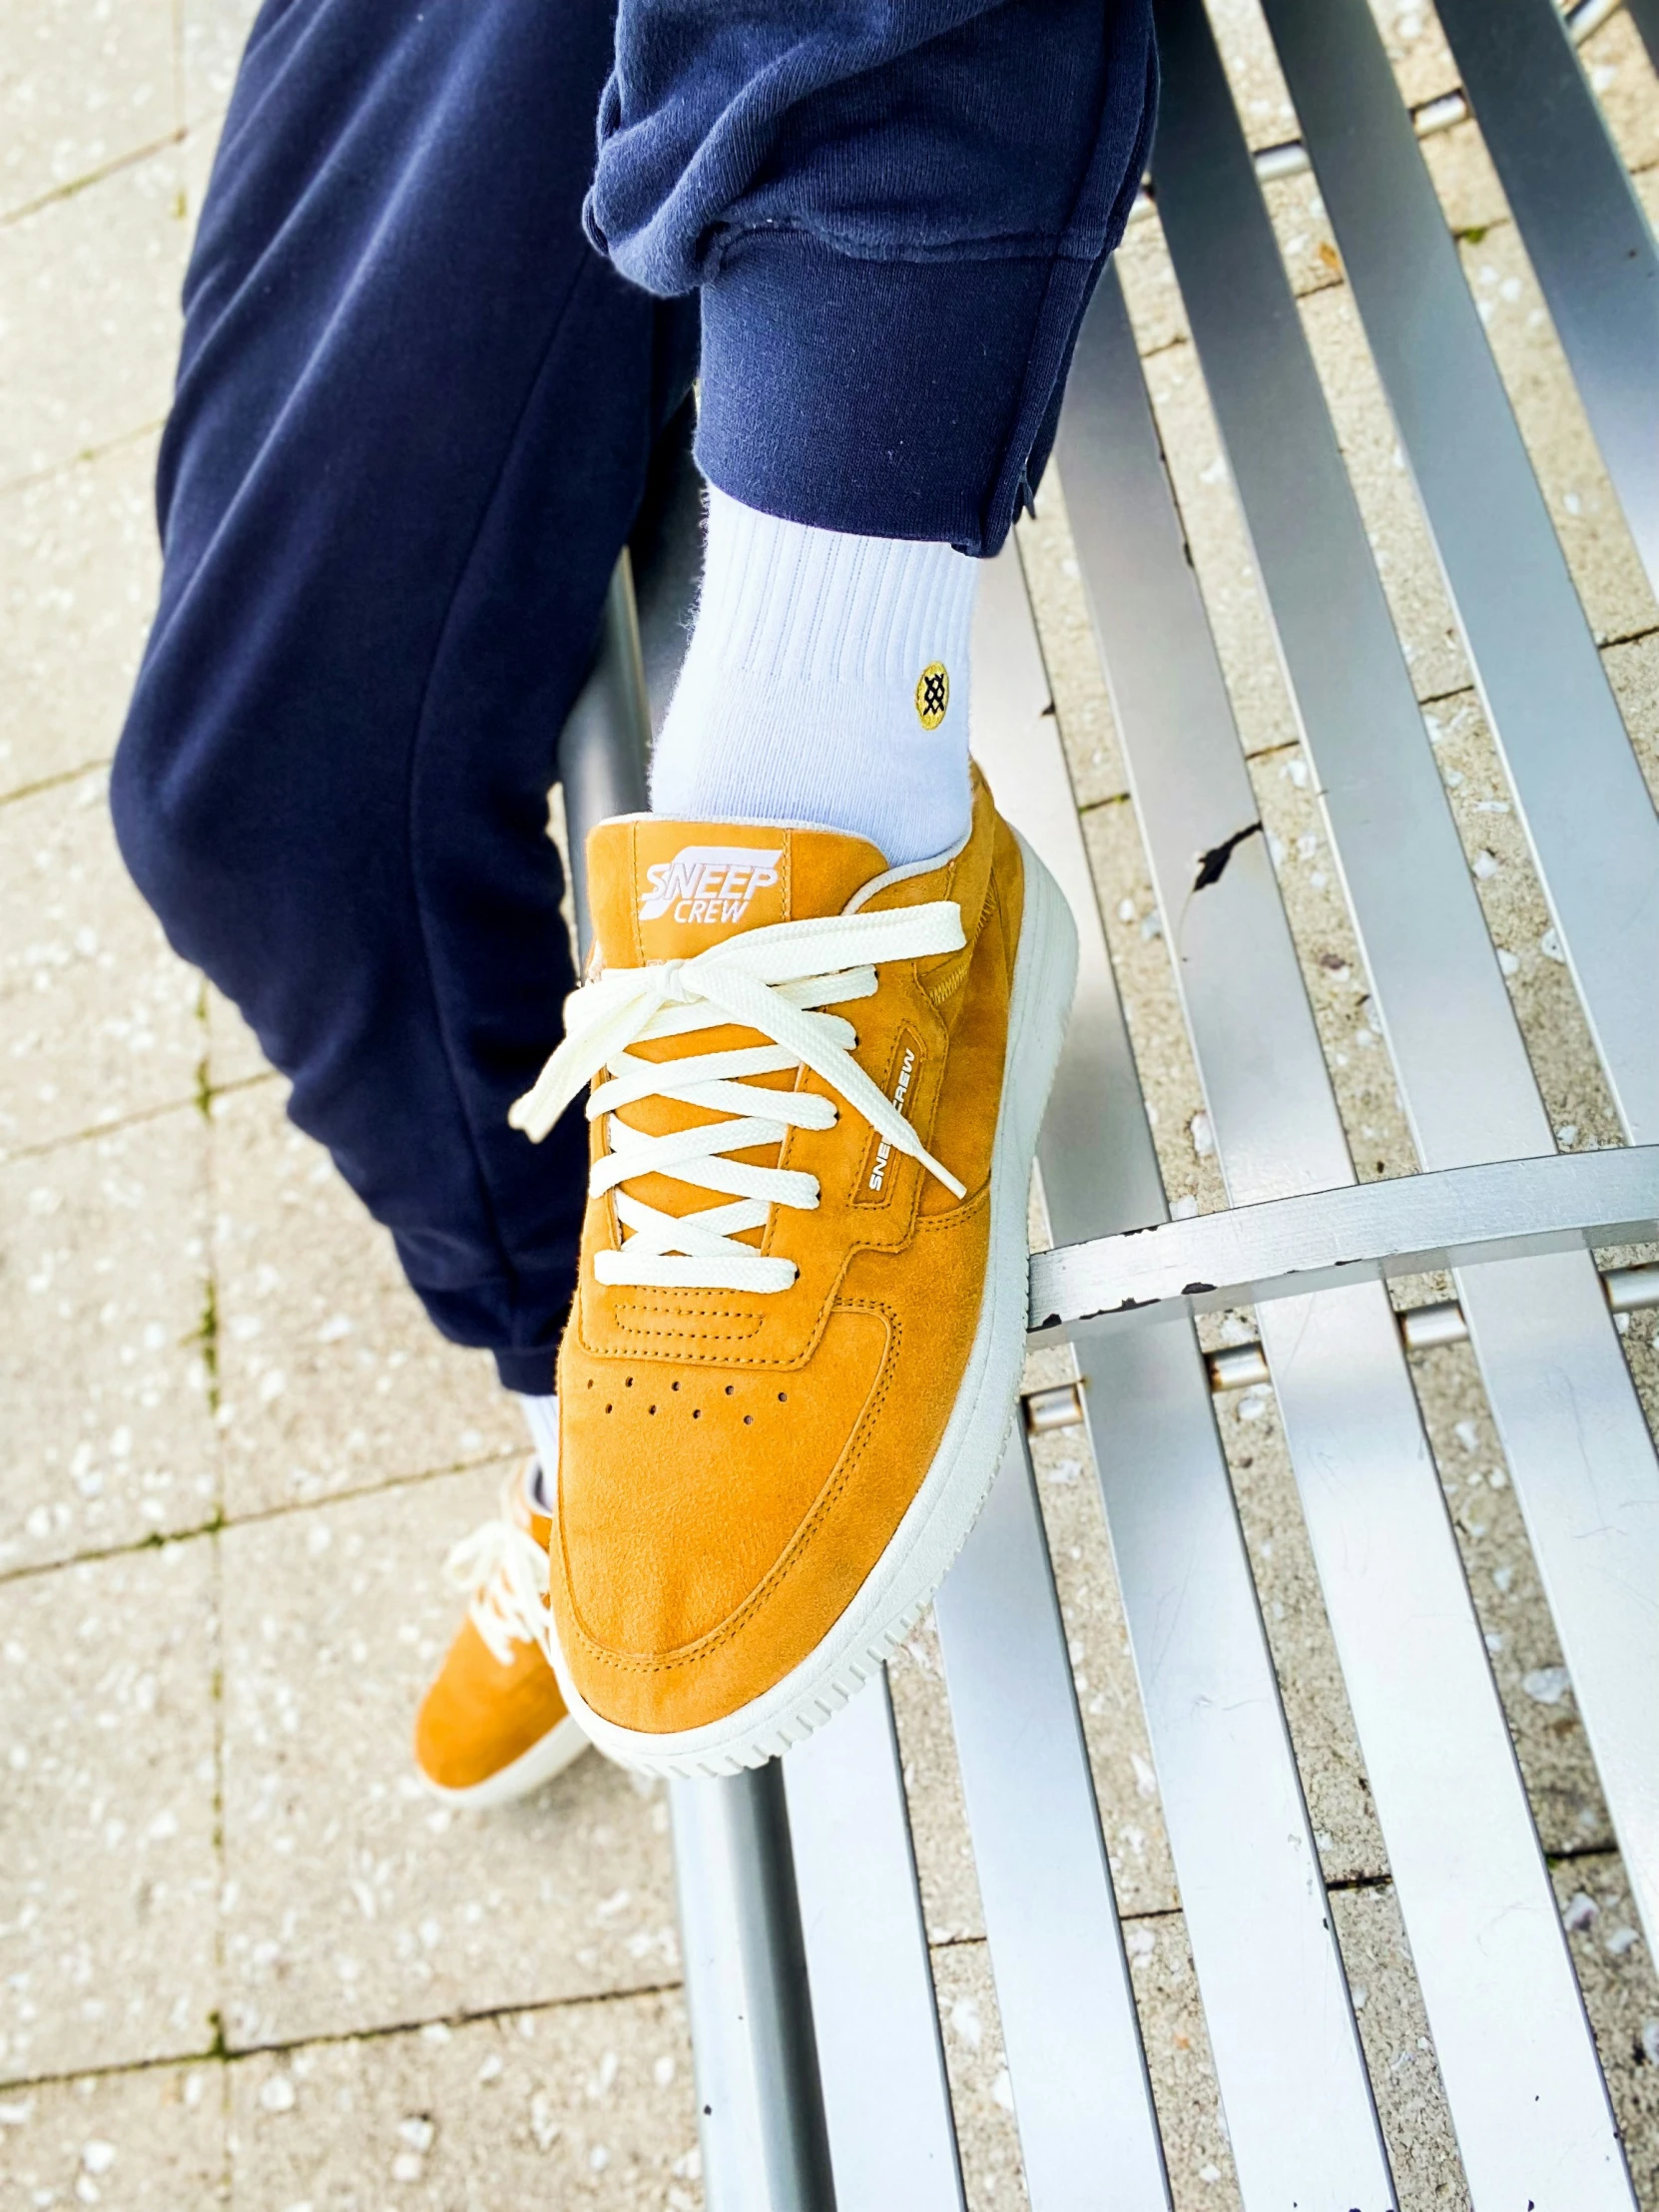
column 900, row 399
column 528, row 1372
column 518, row 1319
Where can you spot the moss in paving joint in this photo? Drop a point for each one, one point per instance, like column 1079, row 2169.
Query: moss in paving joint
column 1099, row 806
column 206, row 1337
column 77, row 184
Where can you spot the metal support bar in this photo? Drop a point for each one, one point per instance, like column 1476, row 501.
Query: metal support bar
column 760, row 2111
column 1283, row 1247
column 1421, row 1329
column 606, row 737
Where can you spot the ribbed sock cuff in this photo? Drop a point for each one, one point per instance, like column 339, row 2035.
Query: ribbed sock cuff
column 827, row 681
column 816, row 607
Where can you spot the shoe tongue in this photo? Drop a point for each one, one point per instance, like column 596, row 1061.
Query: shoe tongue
column 666, row 890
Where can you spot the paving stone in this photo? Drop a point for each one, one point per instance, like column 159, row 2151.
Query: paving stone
column 100, row 1019
column 1140, row 959
column 1633, row 672
column 233, row 1054
column 354, row 1901
column 1252, row 66
column 80, row 86
column 1541, row 990
column 1621, row 1995
column 107, row 1861
column 950, row 1902
column 981, row 2092
column 1388, row 502
column 1179, row 2061
column 1622, row 79
column 109, row 1437
column 1108, row 1696
column 1304, row 1651
column 1509, row 1601
column 197, row 154
column 89, row 314
column 1400, row 2056
column 1221, row 556
column 1055, row 585
column 212, row 35
column 151, row 2141
column 330, row 1375
column 1156, row 308
column 1417, row 48
column 1302, row 229
column 79, row 566
column 1467, row 182
column 1338, row 987
column 586, row 2105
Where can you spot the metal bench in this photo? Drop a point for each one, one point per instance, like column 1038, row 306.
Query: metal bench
column 820, row 2068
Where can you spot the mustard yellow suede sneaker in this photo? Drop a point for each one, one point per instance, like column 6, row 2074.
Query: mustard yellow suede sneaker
column 791, row 1366
column 494, row 1725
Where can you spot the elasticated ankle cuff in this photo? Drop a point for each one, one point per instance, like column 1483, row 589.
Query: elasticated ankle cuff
column 898, row 400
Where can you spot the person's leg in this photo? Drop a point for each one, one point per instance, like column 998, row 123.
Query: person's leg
column 835, row 983
column 896, row 219
column 413, row 424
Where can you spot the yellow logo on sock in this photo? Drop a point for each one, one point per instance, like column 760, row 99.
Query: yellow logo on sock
column 932, row 694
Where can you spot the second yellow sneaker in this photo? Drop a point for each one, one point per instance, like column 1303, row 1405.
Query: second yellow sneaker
column 493, row 1724
column 792, row 1363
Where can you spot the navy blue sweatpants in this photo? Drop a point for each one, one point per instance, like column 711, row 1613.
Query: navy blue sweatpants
column 414, row 416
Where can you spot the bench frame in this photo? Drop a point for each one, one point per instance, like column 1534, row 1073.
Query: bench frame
column 820, row 2069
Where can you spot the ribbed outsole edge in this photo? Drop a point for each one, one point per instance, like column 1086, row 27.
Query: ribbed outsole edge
column 941, row 1515
column 564, row 1742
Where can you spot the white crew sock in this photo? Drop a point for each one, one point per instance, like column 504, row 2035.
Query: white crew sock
column 541, row 1415
column 812, row 688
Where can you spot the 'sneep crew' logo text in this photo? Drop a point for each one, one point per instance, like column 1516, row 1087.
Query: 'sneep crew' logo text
column 708, row 883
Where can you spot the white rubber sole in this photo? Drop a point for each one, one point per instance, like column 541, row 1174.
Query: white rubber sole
column 925, row 1543
column 565, row 1741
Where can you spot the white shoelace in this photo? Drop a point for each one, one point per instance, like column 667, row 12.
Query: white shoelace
column 764, row 979
column 503, row 1570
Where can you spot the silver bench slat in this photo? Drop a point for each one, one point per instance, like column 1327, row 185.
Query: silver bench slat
column 1579, row 792
column 1293, row 2083
column 1583, row 227
column 1580, row 1453
column 1081, row 2094
column 885, row 2097
column 1515, row 2050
